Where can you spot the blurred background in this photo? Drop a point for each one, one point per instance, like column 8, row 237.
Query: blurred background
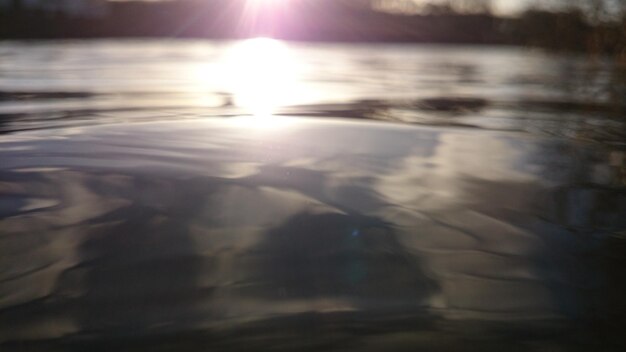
column 308, row 174
column 593, row 25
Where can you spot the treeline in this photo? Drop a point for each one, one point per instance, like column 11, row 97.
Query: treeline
column 321, row 20
column 570, row 30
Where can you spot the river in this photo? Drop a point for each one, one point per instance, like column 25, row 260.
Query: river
column 186, row 195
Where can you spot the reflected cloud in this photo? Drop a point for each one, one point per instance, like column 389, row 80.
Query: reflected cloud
column 228, row 232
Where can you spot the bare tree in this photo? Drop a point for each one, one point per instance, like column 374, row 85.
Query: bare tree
column 596, row 10
column 413, row 6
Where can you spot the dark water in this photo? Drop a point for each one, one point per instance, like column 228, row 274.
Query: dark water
column 192, row 196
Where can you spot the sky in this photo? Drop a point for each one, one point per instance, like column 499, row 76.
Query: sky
column 508, row 6
column 501, row 6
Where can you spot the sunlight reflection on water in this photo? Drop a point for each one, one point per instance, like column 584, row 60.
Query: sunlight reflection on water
column 261, row 74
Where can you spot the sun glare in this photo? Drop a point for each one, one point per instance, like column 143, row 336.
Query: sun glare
column 266, row 1
column 261, row 75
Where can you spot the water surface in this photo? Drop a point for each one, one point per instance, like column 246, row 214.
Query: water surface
column 46, row 84
column 190, row 195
